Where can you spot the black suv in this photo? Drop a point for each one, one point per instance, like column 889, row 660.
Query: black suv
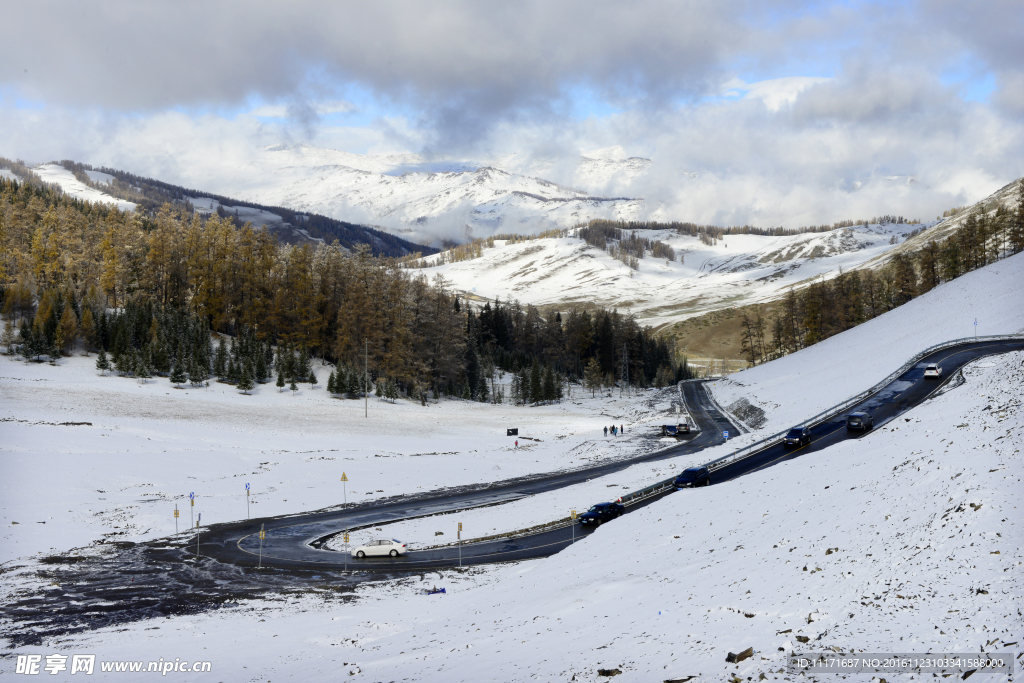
column 694, row 476
column 602, row 512
column 860, row 421
column 798, row 436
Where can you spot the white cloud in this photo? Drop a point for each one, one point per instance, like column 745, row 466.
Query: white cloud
column 776, row 92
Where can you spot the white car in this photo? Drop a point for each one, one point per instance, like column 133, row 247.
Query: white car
column 932, row 370
column 381, row 547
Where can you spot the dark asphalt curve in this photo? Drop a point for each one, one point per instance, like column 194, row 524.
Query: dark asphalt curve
column 288, row 540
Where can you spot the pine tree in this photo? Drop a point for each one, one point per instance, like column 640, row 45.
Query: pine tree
column 379, row 391
column 330, row 383
column 261, row 368
column 220, row 360
column 536, row 383
column 102, row 364
column 178, row 375
column 548, row 392
column 87, row 327
column 312, row 379
column 245, row 382
column 303, row 369
column 232, row 375
column 293, row 386
column 142, row 367
column 280, row 380
column 482, row 389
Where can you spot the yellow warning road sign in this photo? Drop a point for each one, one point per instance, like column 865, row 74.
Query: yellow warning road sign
column 175, row 513
column 344, row 477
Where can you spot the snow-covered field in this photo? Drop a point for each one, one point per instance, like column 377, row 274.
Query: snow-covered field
column 906, row 541
column 794, row 388
column 739, row 270
column 149, row 445
column 73, row 187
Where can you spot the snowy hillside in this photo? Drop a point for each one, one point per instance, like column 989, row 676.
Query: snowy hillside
column 990, row 295
column 424, row 200
column 1005, row 198
column 73, row 187
column 884, row 544
column 740, row 269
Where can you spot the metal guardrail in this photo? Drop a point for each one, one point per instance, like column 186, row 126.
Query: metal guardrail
column 840, row 407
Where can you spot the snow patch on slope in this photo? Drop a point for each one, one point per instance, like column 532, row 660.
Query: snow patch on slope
column 73, row 187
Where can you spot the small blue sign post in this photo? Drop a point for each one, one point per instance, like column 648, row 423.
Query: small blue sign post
column 725, row 435
column 975, row 329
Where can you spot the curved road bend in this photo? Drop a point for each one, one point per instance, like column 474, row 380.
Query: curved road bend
column 288, row 539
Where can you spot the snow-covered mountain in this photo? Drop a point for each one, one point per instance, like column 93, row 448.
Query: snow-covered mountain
column 737, row 270
column 426, row 201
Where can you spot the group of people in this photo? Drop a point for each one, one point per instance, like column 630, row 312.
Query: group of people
column 614, row 430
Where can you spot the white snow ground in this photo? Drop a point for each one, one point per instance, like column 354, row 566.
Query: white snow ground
column 73, row 187
column 922, row 516
column 150, row 445
column 793, row 388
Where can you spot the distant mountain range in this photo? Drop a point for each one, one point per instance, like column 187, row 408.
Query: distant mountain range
column 429, row 201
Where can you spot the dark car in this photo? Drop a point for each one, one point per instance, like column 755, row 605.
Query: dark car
column 683, row 427
column 859, row 421
column 798, row 436
column 601, row 513
column 692, row 477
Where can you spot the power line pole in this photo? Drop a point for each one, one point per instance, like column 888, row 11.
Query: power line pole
column 625, row 369
column 366, row 378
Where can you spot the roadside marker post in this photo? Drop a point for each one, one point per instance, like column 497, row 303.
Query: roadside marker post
column 345, row 538
column 197, row 533
column 175, row 518
column 247, row 516
column 344, row 486
column 572, row 516
column 263, row 535
column 192, row 509
column 460, row 545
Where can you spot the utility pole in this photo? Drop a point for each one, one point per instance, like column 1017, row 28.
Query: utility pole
column 366, row 378
column 625, row 369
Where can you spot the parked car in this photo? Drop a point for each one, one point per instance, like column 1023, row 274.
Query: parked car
column 932, row 371
column 798, row 436
column 692, row 477
column 683, row 427
column 380, row 547
column 601, row 513
column 861, row 421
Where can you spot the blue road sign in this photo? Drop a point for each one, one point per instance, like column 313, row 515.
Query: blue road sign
column 191, row 496
column 246, row 487
column 725, row 434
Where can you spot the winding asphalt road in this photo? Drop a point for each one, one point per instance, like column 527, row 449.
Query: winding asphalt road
column 290, row 541
column 164, row 577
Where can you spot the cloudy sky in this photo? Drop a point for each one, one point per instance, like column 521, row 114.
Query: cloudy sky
column 783, row 113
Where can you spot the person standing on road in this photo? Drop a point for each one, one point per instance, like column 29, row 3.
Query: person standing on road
column 517, row 443
column 606, row 431
column 622, row 428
